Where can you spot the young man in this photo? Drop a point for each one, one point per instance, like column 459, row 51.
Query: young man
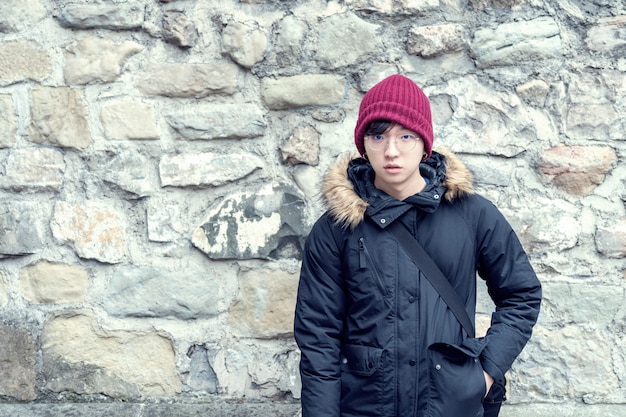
column 376, row 338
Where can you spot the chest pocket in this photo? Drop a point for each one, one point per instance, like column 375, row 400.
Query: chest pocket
column 366, row 263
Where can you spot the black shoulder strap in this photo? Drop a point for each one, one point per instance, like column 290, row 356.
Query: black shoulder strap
column 432, row 272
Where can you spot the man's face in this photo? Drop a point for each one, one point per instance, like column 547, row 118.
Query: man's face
column 395, row 156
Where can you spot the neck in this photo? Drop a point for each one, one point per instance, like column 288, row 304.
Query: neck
column 402, row 192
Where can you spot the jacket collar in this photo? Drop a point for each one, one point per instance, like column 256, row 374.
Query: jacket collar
column 349, row 192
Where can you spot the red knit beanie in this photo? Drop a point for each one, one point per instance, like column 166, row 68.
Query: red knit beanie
column 396, row 99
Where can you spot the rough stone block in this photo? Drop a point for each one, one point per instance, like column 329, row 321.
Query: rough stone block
column 302, row 91
column 611, row 240
column 219, row 121
column 19, row 15
column 608, row 35
column 59, row 117
column 8, row 123
column 202, row 169
column 47, row 283
column 34, row 169
column 114, row 16
column 95, row 230
column 577, row 169
column 266, row 224
column 94, row 59
column 189, row 80
column 346, row 39
column 509, row 43
column 165, row 293
column 302, row 147
column 129, row 120
column 28, row 61
column 245, row 44
column 81, row 357
column 266, row 304
column 21, row 228
column 18, row 355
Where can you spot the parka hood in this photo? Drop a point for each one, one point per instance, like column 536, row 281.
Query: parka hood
column 347, row 206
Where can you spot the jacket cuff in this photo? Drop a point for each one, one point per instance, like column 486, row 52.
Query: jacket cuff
column 492, row 369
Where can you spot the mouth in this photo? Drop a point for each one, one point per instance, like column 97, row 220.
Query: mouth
column 392, row 168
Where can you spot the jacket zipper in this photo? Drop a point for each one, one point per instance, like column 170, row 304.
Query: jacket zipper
column 364, row 258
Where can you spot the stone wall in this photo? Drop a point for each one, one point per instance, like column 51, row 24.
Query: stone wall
column 160, row 163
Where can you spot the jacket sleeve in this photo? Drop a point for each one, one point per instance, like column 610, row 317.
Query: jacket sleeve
column 318, row 324
column 513, row 287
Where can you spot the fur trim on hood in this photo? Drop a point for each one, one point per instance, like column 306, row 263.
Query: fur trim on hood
column 348, row 208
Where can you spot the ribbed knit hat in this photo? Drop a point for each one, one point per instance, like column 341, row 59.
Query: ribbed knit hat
column 396, row 99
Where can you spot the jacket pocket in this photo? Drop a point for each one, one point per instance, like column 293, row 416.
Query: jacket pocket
column 457, row 383
column 360, row 360
column 363, row 383
column 364, row 259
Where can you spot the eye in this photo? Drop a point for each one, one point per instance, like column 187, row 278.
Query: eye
column 407, row 138
column 378, row 138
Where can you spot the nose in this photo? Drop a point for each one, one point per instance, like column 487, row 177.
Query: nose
column 391, row 148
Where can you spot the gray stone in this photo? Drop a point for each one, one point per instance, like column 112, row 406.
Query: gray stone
column 382, row 6
column 302, row 91
column 346, row 40
column 18, row 355
column 59, row 117
column 490, row 171
column 546, row 224
column 8, row 124
column 36, row 169
column 591, row 305
column 431, row 41
column 178, row 29
column 611, row 240
column 201, row 169
column 95, row 230
column 608, row 36
column 508, row 44
column 21, row 228
column 550, row 364
column 245, row 44
column 85, row 379
column 164, row 293
column 91, row 16
column 483, row 121
column 534, row 92
column 4, row 289
column 126, row 170
column 165, row 220
column 96, row 59
column 302, row 147
column 288, row 47
column 219, row 122
column 212, row 406
column 129, row 120
column 257, row 369
column 266, row 224
column 19, row 15
column 80, row 356
column 419, row 5
column 189, row 80
column 201, row 376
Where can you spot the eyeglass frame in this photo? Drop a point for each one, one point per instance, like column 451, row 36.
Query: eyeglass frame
column 382, row 144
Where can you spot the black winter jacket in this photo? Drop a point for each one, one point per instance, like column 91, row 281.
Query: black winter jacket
column 375, row 337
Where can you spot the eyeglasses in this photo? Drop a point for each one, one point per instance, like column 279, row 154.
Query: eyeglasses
column 404, row 142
